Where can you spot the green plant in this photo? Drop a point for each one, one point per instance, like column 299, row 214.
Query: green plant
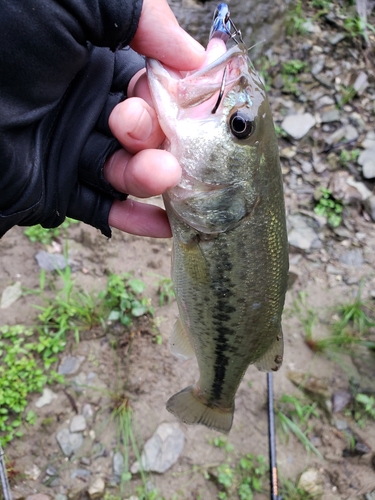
column 290, row 490
column 165, row 291
column 122, row 299
column 293, row 415
column 347, row 157
column 295, row 20
column 44, row 235
column 307, row 316
column 293, row 67
column 328, row 207
column 21, row 373
column 363, row 409
column 70, row 310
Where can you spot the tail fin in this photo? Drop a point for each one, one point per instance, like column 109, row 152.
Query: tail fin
column 188, row 408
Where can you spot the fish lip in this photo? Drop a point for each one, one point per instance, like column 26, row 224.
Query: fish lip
column 157, row 67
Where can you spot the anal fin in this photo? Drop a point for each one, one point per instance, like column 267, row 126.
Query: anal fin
column 179, row 342
column 273, row 357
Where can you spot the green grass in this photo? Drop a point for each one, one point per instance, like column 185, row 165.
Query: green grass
column 27, row 355
column 46, row 236
column 24, row 369
column 293, row 415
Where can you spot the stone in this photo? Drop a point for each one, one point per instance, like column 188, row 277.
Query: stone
column 87, row 411
column 368, row 168
column 70, row 365
column 80, row 474
column 369, row 205
column 297, row 126
column 302, row 236
column 50, row 262
column 352, row 258
column 97, row 488
column 51, row 471
column 311, row 482
column 46, row 399
column 77, row 424
column 330, row 115
column 33, row 472
column 10, row 294
column 68, row 442
column 348, row 133
column 118, row 464
column 162, row 450
column 38, row 496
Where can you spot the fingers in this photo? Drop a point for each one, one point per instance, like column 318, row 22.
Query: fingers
column 160, row 36
column 148, row 173
column 135, row 125
column 140, row 219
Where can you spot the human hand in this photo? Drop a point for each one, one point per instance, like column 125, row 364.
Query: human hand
column 141, row 169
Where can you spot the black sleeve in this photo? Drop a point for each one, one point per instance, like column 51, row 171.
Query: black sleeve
column 63, row 69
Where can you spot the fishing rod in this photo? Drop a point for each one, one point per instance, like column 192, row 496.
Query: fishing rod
column 4, row 477
column 272, row 441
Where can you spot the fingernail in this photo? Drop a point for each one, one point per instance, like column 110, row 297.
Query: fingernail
column 143, row 127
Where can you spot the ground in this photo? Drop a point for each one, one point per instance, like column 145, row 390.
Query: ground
column 134, row 366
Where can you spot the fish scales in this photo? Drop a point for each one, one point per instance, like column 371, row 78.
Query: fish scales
column 230, row 258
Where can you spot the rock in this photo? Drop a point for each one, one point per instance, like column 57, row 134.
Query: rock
column 70, row 365
column 33, row 472
column 353, row 258
column 297, row 126
column 369, row 205
column 51, row 471
column 361, row 82
column 330, row 115
column 311, row 482
column 50, row 262
column 38, row 496
column 118, row 464
column 78, row 423
column 60, row 496
column 10, row 294
column 68, row 442
column 344, row 188
column 368, row 168
column 80, row 474
column 162, row 450
column 96, row 489
column 336, row 38
column 348, row 133
column 341, row 425
column 46, row 399
column 302, row 236
column 87, row 411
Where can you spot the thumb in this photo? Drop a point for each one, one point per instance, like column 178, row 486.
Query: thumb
column 160, row 36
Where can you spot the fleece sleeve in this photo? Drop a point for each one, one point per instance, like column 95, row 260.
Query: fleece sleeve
column 64, row 66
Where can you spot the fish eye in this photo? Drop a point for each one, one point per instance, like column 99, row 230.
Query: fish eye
column 241, row 124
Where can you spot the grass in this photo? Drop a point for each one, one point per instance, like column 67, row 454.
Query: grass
column 24, row 369
column 290, row 490
column 46, row 236
column 293, row 416
column 28, row 354
column 330, row 208
column 237, row 477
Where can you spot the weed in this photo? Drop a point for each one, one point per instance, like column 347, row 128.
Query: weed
column 45, row 236
column 295, row 20
column 165, row 291
column 347, row 157
column 21, row 373
column 293, row 415
column 293, row 67
column 69, row 311
column 363, row 409
column 121, row 298
column 280, row 132
column 307, row 316
column 291, row 491
column 328, row 207
column 241, row 480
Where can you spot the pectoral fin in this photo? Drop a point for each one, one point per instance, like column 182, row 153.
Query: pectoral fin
column 194, row 262
column 273, row 358
column 179, row 343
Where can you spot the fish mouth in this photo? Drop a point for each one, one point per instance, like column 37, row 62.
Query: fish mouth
column 188, row 90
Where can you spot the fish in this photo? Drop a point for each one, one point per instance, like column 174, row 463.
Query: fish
column 227, row 214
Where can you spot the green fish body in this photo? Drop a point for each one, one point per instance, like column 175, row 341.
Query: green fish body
column 230, row 255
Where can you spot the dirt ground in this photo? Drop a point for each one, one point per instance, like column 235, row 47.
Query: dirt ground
column 151, row 374
column 329, row 274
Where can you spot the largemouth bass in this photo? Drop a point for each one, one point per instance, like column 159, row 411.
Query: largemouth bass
column 230, row 250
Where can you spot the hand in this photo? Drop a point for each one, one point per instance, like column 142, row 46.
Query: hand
column 141, row 169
